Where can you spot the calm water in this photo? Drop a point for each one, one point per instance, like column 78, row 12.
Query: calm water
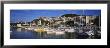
column 20, row 33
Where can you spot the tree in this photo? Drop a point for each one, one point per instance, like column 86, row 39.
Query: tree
column 70, row 23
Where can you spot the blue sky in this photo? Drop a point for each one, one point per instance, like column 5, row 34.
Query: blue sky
column 29, row 15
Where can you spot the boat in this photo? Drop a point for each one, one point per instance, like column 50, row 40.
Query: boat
column 58, row 32
column 39, row 29
column 30, row 28
column 69, row 30
column 50, row 31
column 90, row 33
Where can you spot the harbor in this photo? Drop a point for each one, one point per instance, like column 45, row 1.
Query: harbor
column 20, row 33
column 65, row 26
column 54, row 33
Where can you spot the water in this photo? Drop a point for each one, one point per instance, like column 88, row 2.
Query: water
column 20, row 33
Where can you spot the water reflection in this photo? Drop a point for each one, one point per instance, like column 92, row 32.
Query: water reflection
column 19, row 29
column 22, row 33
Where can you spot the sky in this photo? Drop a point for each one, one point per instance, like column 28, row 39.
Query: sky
column 29, row 15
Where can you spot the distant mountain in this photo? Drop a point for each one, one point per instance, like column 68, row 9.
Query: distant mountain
column 69, row 15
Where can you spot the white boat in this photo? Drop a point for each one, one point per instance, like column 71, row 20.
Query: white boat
column 90, row 33
column 69, row 30
column 59, row 32
column 19, row 29
column 51, row 31
column 30, row 28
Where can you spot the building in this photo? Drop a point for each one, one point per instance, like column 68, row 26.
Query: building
column 89, row 19
column 19, row 25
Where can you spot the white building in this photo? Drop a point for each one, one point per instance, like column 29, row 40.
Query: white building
column 19, row 25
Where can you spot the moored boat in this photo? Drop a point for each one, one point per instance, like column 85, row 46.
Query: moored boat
column 39, row 29
column 58, row 32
